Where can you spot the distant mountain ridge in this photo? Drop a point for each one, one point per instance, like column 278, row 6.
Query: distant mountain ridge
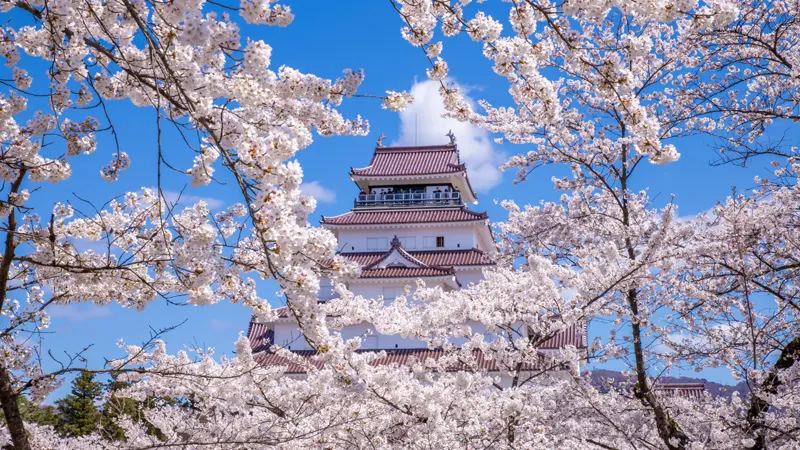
column 601, row 377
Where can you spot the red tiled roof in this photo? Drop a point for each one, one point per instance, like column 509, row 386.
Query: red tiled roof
column 272, row 359
column 683, row 390
column 282, row 312
column 260, row 335
column 400, row 217
column 407, row 272
column 394, row 357
column 576, row 335
column 398, row 161
column 445, row 258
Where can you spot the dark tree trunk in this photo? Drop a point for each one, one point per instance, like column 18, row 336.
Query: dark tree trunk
column 758, row 406
column 8, row 398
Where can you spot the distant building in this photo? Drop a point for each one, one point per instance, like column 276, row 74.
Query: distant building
column 689, row 391
column 409, row 222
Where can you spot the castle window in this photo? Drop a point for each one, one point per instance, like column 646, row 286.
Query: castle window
column 377, row 243
column 409, row 242
column 433, row 242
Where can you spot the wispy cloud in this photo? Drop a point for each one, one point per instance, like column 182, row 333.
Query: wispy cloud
column 318, row 191
column 184, row 199
column 423, row 124
column 709, row 213
column 220, row 324
column 83, row 245
column 79, row 313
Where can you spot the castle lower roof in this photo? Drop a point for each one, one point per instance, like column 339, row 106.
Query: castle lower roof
column 577, row 335
column 445, row 258
column 407, row 272
column 261, row 335
column 389, row 217
column 393, row 357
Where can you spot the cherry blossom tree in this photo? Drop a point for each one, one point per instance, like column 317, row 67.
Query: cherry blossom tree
column 755, row 76
column 187, row 62
column 602, row 88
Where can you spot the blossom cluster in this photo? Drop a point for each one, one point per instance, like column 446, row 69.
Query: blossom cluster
column 596, row 86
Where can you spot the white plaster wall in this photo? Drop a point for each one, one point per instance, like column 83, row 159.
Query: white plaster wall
column 465, row 277
column 455, row 238
column 288, row 335
column 370, row 340
column 375, row 290
column 370, row 290
column 326, row 291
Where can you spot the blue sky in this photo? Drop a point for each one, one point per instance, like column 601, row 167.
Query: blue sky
column 325, row 38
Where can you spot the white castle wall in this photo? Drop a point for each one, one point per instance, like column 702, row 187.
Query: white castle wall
column 394, row 288
column 455, row 238
column 287, row 335
column 465, row 277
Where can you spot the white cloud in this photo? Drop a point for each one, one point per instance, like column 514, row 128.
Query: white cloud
column 709, row 213
column 184, row 199
column 318, row 191
column 83, row 245
column 474, row 144
column 220, row 324
column 79, row 313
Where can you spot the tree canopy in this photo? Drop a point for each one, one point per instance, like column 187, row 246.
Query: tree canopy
column 599, row 88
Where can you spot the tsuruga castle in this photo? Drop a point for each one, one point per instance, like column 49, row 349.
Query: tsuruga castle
column 410, row 220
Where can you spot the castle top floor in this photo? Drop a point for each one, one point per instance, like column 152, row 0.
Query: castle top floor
column 400, row 177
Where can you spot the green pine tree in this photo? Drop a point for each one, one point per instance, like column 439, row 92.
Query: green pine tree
column 33, row 413
column 38, row 414
column 79, row 412
column 116, row 407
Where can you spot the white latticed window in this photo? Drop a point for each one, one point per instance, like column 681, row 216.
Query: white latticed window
column 377, row 243
column 408, row 242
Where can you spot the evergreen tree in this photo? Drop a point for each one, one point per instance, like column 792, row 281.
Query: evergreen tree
column 33, row 413
column 38, row 414
column 116, row 407
column 79, row 412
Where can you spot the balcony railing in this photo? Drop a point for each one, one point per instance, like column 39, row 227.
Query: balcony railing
column 409, row 199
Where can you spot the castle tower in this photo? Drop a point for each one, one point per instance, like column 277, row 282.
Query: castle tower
column 409, row 222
